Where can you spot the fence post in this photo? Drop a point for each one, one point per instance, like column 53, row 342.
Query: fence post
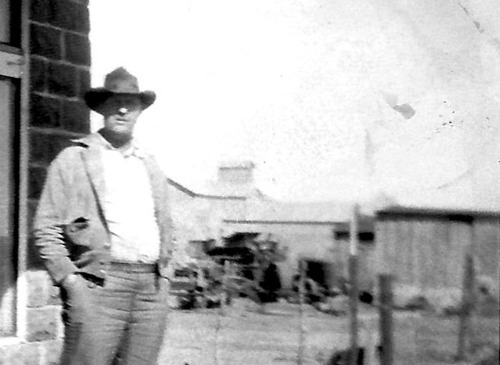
column 221, row 311
column 466, row 306
column 386, row 327
column 225, row 289
column 302, row 273
column 467, row 303
column 353, row 281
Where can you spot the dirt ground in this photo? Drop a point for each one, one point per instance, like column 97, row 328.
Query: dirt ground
column 242, row 335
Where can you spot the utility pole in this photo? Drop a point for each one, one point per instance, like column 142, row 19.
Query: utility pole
column 386, row 322
column 353, row 280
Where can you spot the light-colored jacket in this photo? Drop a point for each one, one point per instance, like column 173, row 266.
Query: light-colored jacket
column 70, row 229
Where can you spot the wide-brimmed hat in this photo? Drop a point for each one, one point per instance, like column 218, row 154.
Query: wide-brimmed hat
column 118, row 82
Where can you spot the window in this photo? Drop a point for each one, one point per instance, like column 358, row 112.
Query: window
column 8, row 91
column 363, row 237
column 10, row 24
column 10, row 73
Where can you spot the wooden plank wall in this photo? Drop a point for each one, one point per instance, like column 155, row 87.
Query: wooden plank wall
column 487, row 249
column 427, row 252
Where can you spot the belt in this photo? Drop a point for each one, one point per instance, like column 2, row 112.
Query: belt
column 137, row 267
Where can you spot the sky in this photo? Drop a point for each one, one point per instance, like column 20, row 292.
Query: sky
column 309, row 90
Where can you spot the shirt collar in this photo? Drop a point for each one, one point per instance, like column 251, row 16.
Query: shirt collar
column 134, row 150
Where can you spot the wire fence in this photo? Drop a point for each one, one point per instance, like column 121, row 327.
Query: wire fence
column 464, row 331
column 450, row 326
column 450, row 317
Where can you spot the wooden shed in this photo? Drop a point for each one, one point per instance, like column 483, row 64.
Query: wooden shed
column 425, row 248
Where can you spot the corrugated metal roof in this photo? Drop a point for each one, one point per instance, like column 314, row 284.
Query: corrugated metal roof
column 299, row 212
column 231, row 190
column 449, row 212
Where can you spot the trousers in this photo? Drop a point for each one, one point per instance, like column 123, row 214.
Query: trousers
column 119, row 322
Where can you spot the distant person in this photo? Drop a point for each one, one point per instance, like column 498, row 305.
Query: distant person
column 269, row 280
column 312, row 291
column 103, row 229
column 265, row 284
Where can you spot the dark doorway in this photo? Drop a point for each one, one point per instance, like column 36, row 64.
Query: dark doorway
column 318, row 271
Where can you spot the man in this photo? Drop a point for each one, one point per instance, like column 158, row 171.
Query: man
column 104, row 232
column 267, row 276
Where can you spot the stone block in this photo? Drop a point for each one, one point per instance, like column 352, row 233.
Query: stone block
column 70, row 15
column 45, row 41
column 54, row 294
column 40, row 11
column 83, row 2
column 77, row 49
column 20, row 354
column 38, row 74
column 45, row 111
column 38, row 288
column 75, row 116
column 36, row 181
column 46, row 146
column 51, row 352
column 84, row 82
column 62, row 80
column 43, row 323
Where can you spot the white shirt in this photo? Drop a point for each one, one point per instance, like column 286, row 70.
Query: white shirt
column 129, row 207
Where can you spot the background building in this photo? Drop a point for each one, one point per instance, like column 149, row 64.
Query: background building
column 316, row 232
column 425, row 245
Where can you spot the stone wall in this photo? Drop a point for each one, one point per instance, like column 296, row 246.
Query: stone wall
column 43, row 341
column 59, row 74
column 59, row 61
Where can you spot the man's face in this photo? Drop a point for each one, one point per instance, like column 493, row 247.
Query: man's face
column 120, row 114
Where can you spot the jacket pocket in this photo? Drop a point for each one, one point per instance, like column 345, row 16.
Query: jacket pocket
column 84, row 239
column 79, row 240
column 77, row 232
